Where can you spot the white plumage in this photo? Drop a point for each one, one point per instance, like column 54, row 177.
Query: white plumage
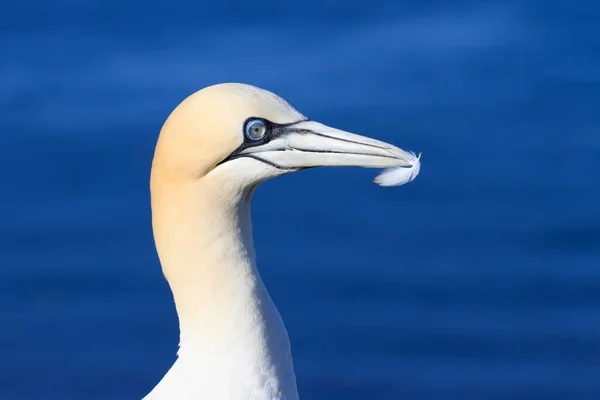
column 400, row 175
column 207, row 163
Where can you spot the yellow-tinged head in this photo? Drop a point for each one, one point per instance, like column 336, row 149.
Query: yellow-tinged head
column 244, row 135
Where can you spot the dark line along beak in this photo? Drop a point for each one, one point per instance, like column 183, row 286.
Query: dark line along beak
column 310, row 144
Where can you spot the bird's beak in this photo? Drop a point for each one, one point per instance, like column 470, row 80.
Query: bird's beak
column 310, row 144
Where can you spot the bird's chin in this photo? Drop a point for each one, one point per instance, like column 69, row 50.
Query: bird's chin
column 247, row 172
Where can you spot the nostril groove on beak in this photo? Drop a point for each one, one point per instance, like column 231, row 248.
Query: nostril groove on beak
column 344, row 152
column 309, row 131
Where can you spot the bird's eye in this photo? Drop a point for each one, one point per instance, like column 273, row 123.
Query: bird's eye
column 255, row 129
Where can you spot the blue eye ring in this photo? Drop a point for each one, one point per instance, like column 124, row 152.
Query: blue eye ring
column 255, row 129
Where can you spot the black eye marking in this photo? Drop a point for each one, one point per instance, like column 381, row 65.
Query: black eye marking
column 272, row 130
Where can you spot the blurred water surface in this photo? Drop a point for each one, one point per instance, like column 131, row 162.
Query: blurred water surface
column 480, row 280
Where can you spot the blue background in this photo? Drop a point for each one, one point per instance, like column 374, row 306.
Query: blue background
column 480, row 280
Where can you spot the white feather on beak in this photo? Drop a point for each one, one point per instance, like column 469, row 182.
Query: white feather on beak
column 400, row 175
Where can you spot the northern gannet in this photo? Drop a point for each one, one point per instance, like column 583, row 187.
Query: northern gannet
column 212, row 152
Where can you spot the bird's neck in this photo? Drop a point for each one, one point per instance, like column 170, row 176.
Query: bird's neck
column 232, row 338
